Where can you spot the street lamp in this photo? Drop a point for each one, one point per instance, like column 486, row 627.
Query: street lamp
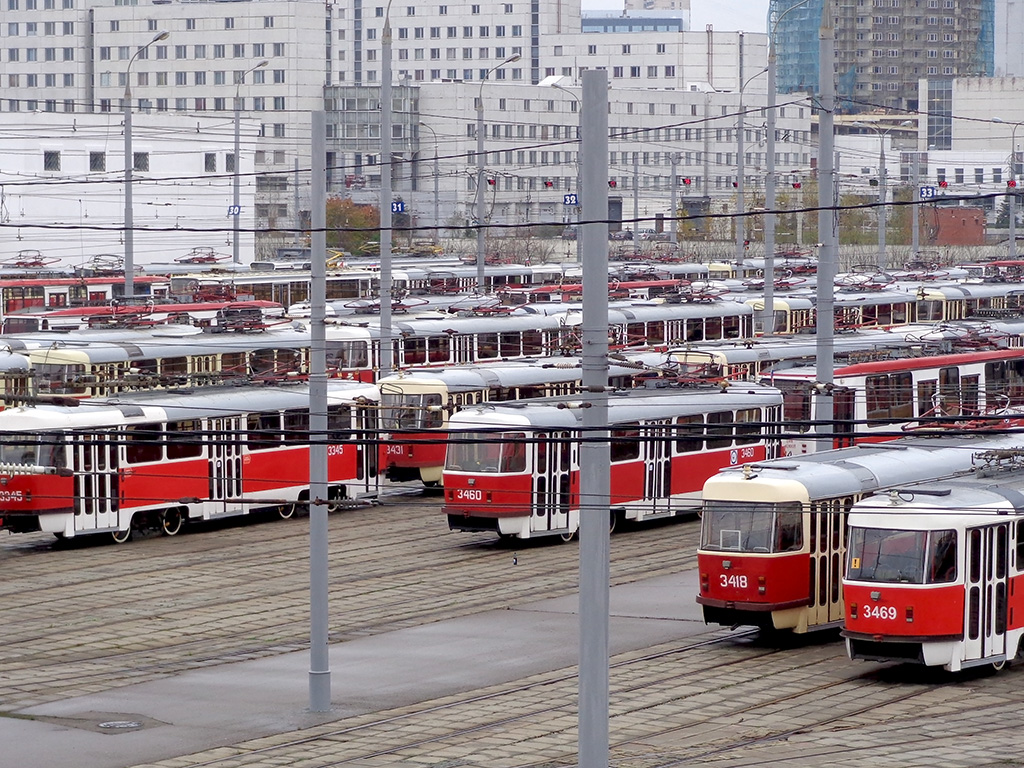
column 740, row 228
column 129, row 164
column 436, row 197
column 553, row 83
column 881, row 182
column 236, row 207
column 1011, row 188
column 480, row 172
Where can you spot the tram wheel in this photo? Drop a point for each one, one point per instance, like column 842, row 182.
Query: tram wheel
column 999, row 666
column 567, row 537
column 616, row 519
column 121, row 537
column 287, row 511
column 171, row 522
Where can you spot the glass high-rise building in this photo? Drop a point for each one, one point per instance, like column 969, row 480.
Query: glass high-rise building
column 884, row 47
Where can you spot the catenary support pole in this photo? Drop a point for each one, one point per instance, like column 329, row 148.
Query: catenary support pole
column 828, row 229
column 386, row 194
column 595, row 449
column 319, row 660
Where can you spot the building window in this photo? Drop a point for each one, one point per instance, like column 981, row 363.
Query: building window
column 190, row 23
column 51, row 161
column 229, row 23
column 278, row 130
column 268, row 22
column 239, row 50
column 279, row 103
column 210, row 162
column 279, row 49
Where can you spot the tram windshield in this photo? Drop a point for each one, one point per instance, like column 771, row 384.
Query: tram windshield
column 893, row 556
column 486, row 452
column 400, row 411
column 751, row 526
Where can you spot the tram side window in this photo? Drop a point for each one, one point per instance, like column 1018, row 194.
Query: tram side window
column 439, row 349
column 625, row 443
column 929, row 311
column 414, row 351
column 349, row 354
column 143, row 443
column 232, row 364
column 487, row 345
column 731, row 327
column 175, row 367
column 533, row 343
column 747, row 430
column 636, row 333
column 184, row 439
column 296, row 426
column 656, row 332
column 901, row 395
column 689, row 434
column 262, row 361
column 713, row 328
column 263, row 430
column 926, row 391
column 876, row 392
column 720, row 429
column 513, row 453
column 969, row 386
column 949, row 390
column 694, row 330
column 339, row 423
column 789, row 529
column 510, row 344
column 941, row 557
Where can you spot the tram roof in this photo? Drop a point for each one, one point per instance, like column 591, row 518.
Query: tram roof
column 865, row 468
column 624, row 407
column 193, row 404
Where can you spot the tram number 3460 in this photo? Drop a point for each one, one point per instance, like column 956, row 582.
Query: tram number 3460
column 468, row 494
column 887, row 612
column 733, row 580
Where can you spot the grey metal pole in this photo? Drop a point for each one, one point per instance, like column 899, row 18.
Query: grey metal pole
column 129, row 219
column 915, row 234
column 636, row 197
column 437, row 198
column 481, row 275
column 740, row 171
column 319, row 659
column 386, row 193
column 882, row 223
column 129, row 166
column 673, row 222
column 595, row 456
column 1013, row 193
column 236, row 197
column 827, row 229
column 768, row 308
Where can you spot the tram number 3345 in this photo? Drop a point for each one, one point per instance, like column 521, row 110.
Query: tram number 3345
column 887, row 612
column 733, row 580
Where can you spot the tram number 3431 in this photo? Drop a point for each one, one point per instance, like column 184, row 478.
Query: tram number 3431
column 733, row 580
column 886, row 612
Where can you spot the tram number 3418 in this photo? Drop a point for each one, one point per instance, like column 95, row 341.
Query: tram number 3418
column 886, row 612
column 733, row 580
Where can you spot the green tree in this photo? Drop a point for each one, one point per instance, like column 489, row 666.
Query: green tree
column 352, row 227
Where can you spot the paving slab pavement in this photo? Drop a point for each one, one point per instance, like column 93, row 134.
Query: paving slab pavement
column 229, row 703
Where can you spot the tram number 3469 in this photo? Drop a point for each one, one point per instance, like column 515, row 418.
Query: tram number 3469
column 468, row 494
column 733, row 580
column 887, row 612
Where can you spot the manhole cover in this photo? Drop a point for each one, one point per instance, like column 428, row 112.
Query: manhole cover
column 116, row 724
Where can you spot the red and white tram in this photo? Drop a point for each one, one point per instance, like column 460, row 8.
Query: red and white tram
column 871, row 400
column 774, row 534
column 514, row 469
column 160, row 460
column 935, row 573
column 416, row 404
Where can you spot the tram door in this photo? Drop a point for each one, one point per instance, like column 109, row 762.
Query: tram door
column 657, row 455
column 988, row 551
column 225, row 464
column 366, row 451
column 97, row 491
column 552, row 482
column 827, row 545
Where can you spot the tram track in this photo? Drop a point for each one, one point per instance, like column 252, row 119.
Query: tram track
column 66, row 633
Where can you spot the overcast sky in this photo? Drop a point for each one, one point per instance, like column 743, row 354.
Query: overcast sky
column 724, row 15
